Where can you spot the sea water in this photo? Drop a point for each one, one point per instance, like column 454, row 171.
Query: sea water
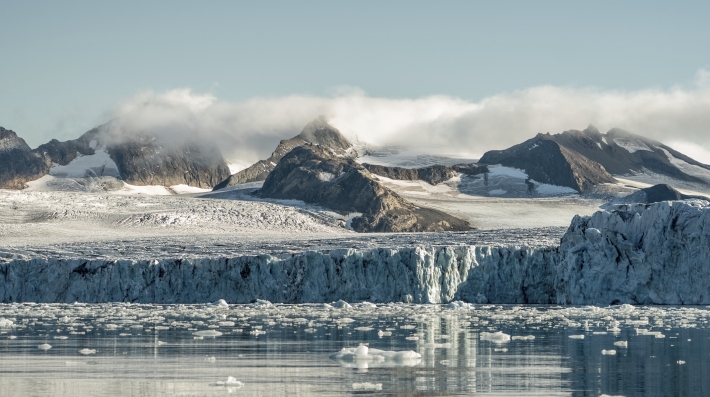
column 353, row 349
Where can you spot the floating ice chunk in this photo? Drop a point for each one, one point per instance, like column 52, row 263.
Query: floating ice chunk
column 382, row 333
column 527, row 337
column 576, row 336
column 459, row 305
column 500, row 349
column 263, row 302
column 367, row 386
column 310, row 330
column 221, row 303
column 208, row 332
column 367, row 305
column 124, row 334
column 226, row 323
column 61, row 337
column 621, row 343
column 609, row 352
column 86, row 352
column 257, row 332
column 363, row 329
column 210, row 359
column 44, row 346
column 230, row 382
column 495, row 337
column 12, row 337
column 412, row 338
column 363, row 353
column 5, row 323
column 680, row 362
column 407, row 326
column 341, row 304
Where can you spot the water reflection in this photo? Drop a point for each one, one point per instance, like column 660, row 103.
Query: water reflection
column 263, row 349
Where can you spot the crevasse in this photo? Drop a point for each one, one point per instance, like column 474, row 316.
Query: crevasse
column 639, row 254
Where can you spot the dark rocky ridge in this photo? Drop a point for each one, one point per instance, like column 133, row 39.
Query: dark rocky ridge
column 317, row 132
column 433, row 175
column 547, row 161
column 658, row 193
column 19, row 164
column 317, row 175
column 141, row 160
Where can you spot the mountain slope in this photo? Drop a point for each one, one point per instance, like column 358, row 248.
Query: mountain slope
column 18, row 163
column 317, row 132
column 317, row 175
column 549, row 162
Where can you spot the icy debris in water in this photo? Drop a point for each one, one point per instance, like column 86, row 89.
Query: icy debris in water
column 599, row 333
column 518, row 337
column 86, row 352
column 111, row 327
column 226, row 323
column 230, row 382
column 576, row 336
column 363, row 329
column 5, row 323
column 459, row 305
column 680, row 362
column 500, row 349
column 621, row 343
column 160, row 343
column 366, row 305
column 257, row 332
column 62, row 337
column 310, row 330
column 210, row 359
column 367, row 386
column 609, row 352
column 364, row 353
column 124, row 334
column 208, row 332
column 198, row 337
column 44, row 346
column 12, row 337
column 496, row 337
column 412, row 338
column 221, row 303
column 381, row 333
column 263, row 302
column 407, row 326
column 341, row 304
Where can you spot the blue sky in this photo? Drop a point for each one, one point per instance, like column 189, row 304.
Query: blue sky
column 65, row 65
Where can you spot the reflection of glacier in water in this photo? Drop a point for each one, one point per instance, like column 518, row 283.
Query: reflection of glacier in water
column 265, row 349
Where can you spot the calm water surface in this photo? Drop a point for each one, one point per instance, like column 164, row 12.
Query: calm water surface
column 193, row 350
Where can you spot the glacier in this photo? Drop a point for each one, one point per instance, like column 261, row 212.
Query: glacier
column 638, row 254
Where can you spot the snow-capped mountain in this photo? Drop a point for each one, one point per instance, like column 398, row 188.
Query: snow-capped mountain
column 137, row 159
column 317, row 132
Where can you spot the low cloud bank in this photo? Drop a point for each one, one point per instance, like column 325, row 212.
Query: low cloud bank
column 249, row 130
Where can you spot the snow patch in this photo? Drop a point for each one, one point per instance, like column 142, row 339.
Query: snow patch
column 632, row 145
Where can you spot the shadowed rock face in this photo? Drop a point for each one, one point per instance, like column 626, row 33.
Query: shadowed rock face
column 316, row 132
column 658, row 193
column 147, row 161
column 316, row 175
column 18, row 162
column 433, row 175
column 547, row 161
column 140, row 160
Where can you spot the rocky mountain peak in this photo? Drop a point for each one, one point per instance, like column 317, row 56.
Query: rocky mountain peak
column 9, row 140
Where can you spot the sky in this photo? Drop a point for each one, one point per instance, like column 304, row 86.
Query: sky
column 464, row 75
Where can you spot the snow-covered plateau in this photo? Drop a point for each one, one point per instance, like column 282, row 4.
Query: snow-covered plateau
column 656, row 254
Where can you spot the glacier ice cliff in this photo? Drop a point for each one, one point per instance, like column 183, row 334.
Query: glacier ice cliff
column 643, row 254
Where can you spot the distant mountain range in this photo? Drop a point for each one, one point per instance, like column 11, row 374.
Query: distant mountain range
column 583, row 159
column 140, row 159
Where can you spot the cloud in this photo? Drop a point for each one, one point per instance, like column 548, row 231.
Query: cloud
column 249, row 130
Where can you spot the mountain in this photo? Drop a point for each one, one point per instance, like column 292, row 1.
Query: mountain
column 321, row 176
column 18, row 162
column 137, row 159
column 658, row 193
column 546, row 161
column 317, row 132
column 624, row 153
column 582, row 159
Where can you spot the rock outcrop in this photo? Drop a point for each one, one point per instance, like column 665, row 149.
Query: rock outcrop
column 433, row 175
column 546, row 161
column 19, row 164
column 658, row 193
column 317, row 175
column 317, row 132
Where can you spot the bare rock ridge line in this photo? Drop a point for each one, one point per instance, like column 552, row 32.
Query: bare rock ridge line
column 582, row 159
column 636, row 254
column 317, row 175
column 317, row 132
column 140, row 160
column 433, row 174
column 657, row 193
